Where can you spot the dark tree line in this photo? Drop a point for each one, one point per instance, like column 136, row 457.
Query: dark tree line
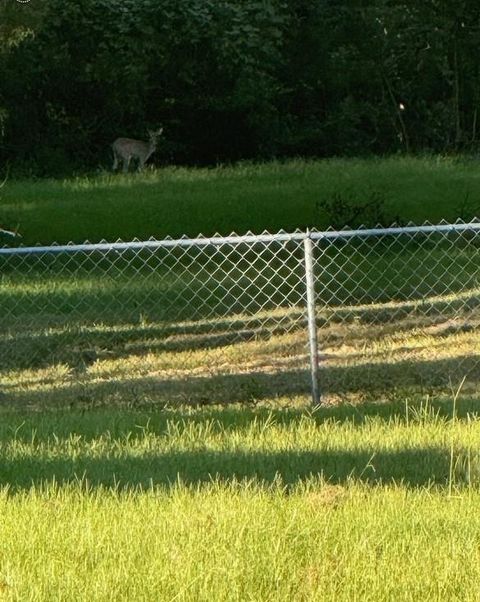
column 235, row 79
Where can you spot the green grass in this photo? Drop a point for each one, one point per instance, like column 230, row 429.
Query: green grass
column 242, row 543
column 119, row 477
column 184, row 329
column 369, row 502
column 176, row 201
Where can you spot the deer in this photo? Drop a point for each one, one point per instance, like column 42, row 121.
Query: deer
column 125, row 149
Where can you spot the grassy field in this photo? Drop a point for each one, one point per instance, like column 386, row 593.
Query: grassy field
column 372, row 502
column 175, row 201
column 156, row 435
column 188, row 330
column 255, row 359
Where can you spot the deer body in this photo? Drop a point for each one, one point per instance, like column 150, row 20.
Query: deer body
column 126, row 149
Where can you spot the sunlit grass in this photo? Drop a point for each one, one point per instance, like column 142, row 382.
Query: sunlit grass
column 116, row 483
column 188, row 330
column 147, row 365
column 175, row 201
column 241, row 543
column 372, row 503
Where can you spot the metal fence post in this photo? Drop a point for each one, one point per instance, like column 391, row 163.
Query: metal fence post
column 312, row 325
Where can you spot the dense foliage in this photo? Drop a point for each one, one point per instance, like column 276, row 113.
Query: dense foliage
column 233, row 79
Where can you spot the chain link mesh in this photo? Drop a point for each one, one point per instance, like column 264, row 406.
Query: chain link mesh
column 398, row 312
column 224, row 319
column 185, row 322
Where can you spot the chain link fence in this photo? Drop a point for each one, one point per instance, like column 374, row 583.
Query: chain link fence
column 366, row 313
column 398, row 310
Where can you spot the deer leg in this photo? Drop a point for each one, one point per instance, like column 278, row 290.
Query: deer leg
column 115, row 161
column 126, row 163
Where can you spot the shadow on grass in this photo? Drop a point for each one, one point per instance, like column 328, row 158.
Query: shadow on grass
column 53, row 327
column 413, row 467
column 146, row 467
column 362, row 382
column 23, row 425
column 82, row 345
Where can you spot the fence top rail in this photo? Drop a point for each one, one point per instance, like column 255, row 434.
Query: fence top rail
column 234, row 239
column 392, row 230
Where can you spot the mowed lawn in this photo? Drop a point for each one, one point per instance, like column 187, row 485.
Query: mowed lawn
column 173, row 201
column 374, row 502
column 107, row 495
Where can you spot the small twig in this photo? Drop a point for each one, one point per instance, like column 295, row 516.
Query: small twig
column 6, row 176
column 12, row 233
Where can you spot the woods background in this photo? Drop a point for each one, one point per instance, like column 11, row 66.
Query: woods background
column 234, row 80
